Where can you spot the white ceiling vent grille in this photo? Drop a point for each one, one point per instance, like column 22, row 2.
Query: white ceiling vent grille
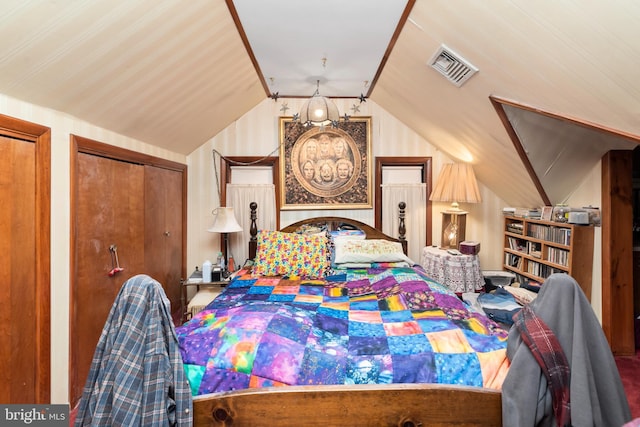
column 451, row 65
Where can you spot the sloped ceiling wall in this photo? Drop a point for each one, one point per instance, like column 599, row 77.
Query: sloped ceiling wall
column 174, row 73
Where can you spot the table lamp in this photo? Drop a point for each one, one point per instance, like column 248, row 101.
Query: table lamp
column 456, row 183
column 224, row 223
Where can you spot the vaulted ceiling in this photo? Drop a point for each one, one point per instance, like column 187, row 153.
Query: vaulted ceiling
column 175, row 73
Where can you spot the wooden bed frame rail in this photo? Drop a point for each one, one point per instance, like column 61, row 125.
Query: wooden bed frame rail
column 405, row 405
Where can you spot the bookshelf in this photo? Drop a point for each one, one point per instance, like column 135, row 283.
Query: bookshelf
column 534, row 249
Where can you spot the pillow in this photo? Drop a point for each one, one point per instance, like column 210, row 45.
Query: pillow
column 290, row 254
column 342, row 235
column 372, row 250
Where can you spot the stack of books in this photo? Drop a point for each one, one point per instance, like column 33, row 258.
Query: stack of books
column 534, row 213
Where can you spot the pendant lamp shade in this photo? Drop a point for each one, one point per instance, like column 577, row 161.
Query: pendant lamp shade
column 319, row 111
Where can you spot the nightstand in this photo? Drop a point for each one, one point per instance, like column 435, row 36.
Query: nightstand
column 195, row 279
column 460, row 273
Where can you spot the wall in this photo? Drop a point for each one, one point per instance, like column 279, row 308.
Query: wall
column 589, row 193
column 62, row 125
column 257, row 134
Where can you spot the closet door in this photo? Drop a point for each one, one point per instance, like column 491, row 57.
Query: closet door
column 25, row 261
column 109, row 212
column 163, row 232
column 17, row 271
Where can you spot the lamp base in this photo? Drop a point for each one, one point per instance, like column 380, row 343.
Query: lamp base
column 453, row 229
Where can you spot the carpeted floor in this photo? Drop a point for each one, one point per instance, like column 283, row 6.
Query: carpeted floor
column 629, row 368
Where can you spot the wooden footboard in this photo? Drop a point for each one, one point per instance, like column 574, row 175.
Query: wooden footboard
column 404, row 405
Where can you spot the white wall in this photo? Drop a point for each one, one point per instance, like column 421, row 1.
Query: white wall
column 589, row 193
column 257, row 134
column 62, row 125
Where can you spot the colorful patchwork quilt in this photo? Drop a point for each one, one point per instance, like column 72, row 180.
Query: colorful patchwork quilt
column 363, row 326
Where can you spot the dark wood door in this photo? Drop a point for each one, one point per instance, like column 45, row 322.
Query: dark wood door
column 109, row 211
column 18, row 228
column 164, row 229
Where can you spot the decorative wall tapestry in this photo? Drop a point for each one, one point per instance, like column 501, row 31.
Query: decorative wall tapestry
column 326, row 167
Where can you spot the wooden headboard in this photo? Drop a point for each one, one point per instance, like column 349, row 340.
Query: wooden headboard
column 332, row 223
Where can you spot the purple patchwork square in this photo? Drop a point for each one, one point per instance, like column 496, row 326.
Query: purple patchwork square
column 278, row 358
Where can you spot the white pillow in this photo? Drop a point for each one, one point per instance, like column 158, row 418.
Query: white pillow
column 371, row 250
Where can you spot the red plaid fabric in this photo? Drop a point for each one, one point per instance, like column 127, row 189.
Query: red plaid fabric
column 549, row 354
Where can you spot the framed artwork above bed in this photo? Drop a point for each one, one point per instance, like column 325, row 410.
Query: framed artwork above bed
column 326, row 167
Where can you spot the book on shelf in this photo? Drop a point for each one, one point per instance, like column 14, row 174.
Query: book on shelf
column 558, row 256
column 516, row 244
column 550, row 233
column 515, row 227
column 513, row 260
column 534, row 249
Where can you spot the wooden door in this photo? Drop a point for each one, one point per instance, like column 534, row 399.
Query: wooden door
column 119, row 199
column 25, row 261
column 17, row 270
column 109, row 210
column 164, row 229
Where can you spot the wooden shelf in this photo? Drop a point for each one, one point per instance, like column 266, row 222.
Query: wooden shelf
column 534, row 249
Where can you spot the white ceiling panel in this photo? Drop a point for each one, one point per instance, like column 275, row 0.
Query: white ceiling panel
column 340, row 43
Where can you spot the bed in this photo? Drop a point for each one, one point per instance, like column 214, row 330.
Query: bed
column 365, row 338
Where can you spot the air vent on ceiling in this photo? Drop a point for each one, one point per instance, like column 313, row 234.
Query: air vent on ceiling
column 451, row 65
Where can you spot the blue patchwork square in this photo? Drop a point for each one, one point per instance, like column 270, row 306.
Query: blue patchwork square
column 396, row 316
column 435, row 325
column 459, row 368
column 362, row 329
column 367, row 305
column 281, row 298
column 332, row 312
column 409, row 344
column 260, row 290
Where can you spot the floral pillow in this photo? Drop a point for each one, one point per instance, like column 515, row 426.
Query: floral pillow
column 291, row 254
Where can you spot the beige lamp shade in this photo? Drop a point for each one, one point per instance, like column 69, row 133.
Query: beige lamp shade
column 456, row 184
column 224, row 221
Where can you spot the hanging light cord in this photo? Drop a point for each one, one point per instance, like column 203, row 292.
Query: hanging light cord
column 233, row 162
column 236, row 163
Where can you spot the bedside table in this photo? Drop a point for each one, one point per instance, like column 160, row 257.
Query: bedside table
column 460, row 273
column 195, row 279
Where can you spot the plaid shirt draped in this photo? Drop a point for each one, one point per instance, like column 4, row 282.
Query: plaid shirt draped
column 137, row 376
column 549, row 354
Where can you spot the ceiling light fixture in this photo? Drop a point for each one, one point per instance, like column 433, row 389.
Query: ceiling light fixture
column 319, row 111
